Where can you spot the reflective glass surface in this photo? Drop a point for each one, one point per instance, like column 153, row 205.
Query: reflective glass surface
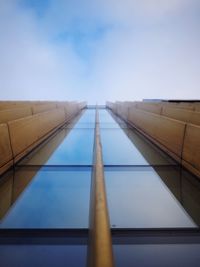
column 156, row 255
column 118, row 149
column 105, row 117
column 124, row 146
column 43, row 255
column 87, row 117
column 141, row 199
column 77, row 149
column 72, row 145
column 68, row 147
column 51, row 199
column 85, row 120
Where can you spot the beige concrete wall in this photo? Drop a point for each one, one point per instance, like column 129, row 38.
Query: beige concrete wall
column 124, row 109
column 13, row 114
column 185, row 105
column 5, row 148
column 179, row 139
column 166, row 132
column 177, row 113
column 197, row 107
column 50, row 120
column 71, row 110
column 195, row 118
column 25, row 133
column 150, row 107
column 191, row 149
column 43, row 107
column 188, row 116
column 14, row 104
column 181, row 105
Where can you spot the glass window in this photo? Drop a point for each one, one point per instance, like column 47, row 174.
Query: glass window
column 140, row 199
column 156, row 255
column 53, row 199
column 43, row 255
column 74, row 147
column 119, row 150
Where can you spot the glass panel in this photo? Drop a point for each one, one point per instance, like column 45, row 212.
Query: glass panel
column 105, row 117
column 140, row 199
column 88, row 117
column 190, row 195
column 68, row 146
column 128, row 147
column 80, row 125
column 119, row 150
column 152, row 154
column 87, row 120
column 43, row 255
column 108, row 125
column 156, row 255
column 74, row 147
column 49, row 199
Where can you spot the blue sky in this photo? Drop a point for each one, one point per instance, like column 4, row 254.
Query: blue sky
column 99, row 50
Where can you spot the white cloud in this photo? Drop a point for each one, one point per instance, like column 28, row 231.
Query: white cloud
column 31, row 67
column 160, row 65
column 150, row 50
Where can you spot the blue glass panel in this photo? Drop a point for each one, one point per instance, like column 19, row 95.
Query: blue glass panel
column 87, row 117
column 119, row 150
column 68, row 147
column 156, row 255
column 80, row 125
column 105, row 117
column 77, row 148
column 152, row 154
column 140, row 199
column 43, row 255
column 127, row 147
column 108, row 125
column 53, row 199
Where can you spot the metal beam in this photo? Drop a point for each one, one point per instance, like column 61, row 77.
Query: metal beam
column 100, row 244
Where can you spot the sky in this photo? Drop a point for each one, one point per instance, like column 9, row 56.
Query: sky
column 99, row 50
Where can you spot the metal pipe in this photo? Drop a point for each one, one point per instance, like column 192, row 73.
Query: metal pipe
column 100, row 243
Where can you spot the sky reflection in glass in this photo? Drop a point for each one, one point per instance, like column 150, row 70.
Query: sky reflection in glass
column 156, row 255
column 119, row 150
column 53, row 199
column 87, row 117
column 75, row 148
column 105, row 117
column 127, row 147
column 43, row 255
column 140, row 199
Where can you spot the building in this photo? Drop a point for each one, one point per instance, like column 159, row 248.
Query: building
column 110, row 186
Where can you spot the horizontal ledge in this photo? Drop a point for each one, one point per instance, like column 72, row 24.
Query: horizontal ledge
column 44, row 236
column 105, row 166
column 120, row 236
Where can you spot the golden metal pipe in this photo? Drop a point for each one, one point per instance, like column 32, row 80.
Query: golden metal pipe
column 100, row 247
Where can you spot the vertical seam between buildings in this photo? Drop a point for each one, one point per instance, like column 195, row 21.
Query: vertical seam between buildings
column 184, row 134
column 10, row 143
